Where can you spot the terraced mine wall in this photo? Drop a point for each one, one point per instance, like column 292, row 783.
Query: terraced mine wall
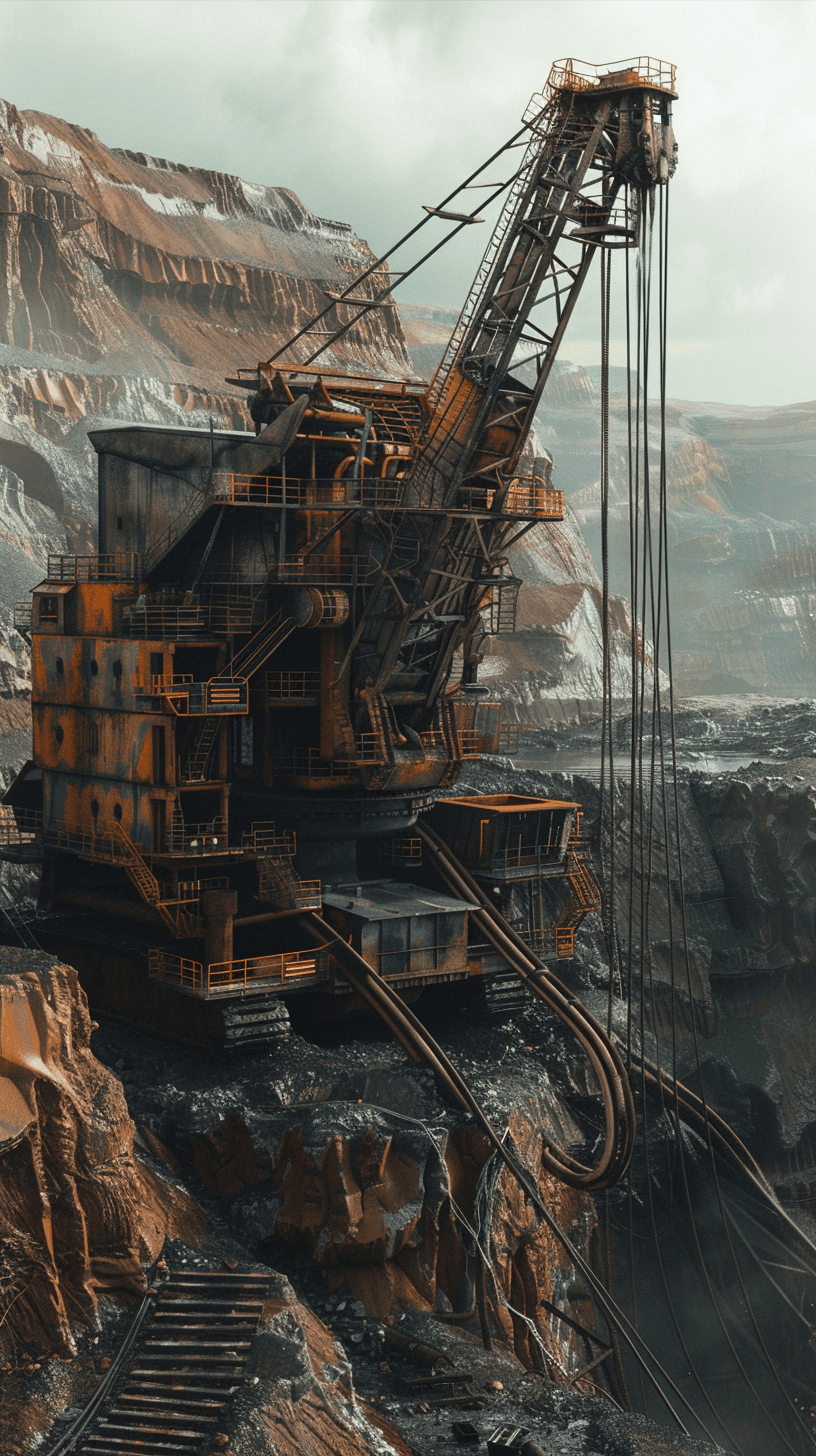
column 742, row 523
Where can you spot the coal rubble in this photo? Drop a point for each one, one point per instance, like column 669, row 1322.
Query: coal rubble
column 286, row 1137
column 335, row 1162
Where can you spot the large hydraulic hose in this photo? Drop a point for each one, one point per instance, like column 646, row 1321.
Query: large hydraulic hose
column 619, row 1107
column 420, row 1045
column 692, row 1109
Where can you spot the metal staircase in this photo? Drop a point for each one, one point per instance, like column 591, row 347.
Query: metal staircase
column 584, row 896
column 193, row 507
column 193, row 768
column 377, row 712
column 259, row 648
column 279, row 885
column 175, row 914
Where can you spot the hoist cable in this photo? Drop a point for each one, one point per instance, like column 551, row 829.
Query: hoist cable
column 651, row 617
column 608, row 874
column 664, row 555
column 646, row 797
column 607, row 858
column 770, row 1363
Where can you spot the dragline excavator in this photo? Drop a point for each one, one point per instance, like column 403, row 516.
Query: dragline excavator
column 249, row 705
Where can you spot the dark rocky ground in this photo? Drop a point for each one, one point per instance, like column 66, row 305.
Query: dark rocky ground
column 324, row 1067
column 739, row 723
column 743, row 1026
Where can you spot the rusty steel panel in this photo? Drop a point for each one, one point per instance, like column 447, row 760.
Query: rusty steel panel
column 288, row 625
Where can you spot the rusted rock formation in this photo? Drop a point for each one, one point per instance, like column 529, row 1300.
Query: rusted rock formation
column 305, row 1398
column 130, row 286
column 79, row 1214
column 383, row 1191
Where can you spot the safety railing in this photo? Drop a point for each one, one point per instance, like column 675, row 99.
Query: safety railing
column 155, row 685
column 162, row 623
column 289, row 892
column 226, row 695
column 499, row 610
column 341, row 570
column 293, row 493
column 103, row 845
column 553, row 940
column 528, row 497
column 470, row 743
column 564, row 941
column 207, row 838
column 263, row 838
column 190, row 891
column 307, row 763
column 23, row 616
column 20, row 828
column 509, row 737
column 227, row 977
column 218, row 609
column 110, row 566
column 405, row 849
column 369, row 748
column 432, row 738
column 288, row 687
column 572, row 75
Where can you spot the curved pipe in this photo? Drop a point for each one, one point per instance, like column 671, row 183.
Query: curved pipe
column 341, row 469
column 335, row 417
column 421, row 1046
column 619, row 1107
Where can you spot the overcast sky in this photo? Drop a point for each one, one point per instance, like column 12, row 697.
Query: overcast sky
column 369, row 108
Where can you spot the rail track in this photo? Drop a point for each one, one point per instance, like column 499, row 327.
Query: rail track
column 184, row 1357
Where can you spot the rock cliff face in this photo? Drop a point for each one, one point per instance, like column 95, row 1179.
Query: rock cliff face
column 130, row 287
column 742, row 527
column 79, row 1214
column 551, row 670
column 742, row 542
column 368, row 1179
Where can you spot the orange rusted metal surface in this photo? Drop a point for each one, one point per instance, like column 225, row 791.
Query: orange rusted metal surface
column 286, row 627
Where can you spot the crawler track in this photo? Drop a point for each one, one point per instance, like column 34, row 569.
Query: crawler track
column 182, row 1361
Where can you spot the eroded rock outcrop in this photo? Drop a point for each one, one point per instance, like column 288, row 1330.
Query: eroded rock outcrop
column 302, row 1396
column 742, row 528
column 385, row 1199
column 79, row 1214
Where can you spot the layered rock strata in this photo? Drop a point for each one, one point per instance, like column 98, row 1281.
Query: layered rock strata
column 80, row 1215
column 130, row 287
column 741, row 525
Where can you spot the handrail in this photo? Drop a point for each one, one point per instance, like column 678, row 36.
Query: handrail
column 286, row 685
column 78, row 1428
column 631, row 74
column 230, row 976
column 529, row 497
column 107, row 566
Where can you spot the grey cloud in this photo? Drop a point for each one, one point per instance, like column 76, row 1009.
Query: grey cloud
column 369, row 108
